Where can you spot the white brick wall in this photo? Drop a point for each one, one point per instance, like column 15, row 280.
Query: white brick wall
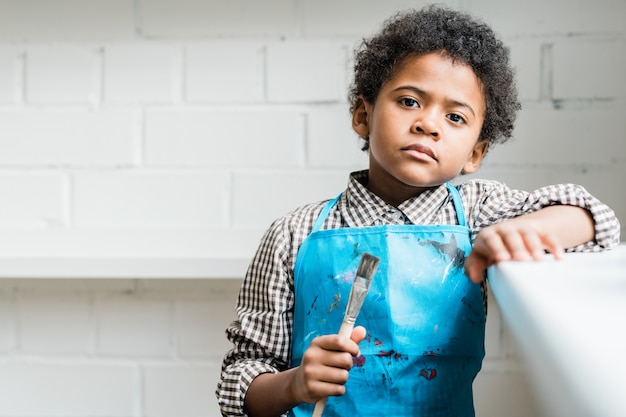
column 151, row 199
column 195, row 124
column 69, row 388
column 62, row 137
column 112, row 348
column 225, row 138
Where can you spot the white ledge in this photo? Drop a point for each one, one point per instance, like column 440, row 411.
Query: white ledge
column 123, row 253
column 568, row 319
column 127, row 268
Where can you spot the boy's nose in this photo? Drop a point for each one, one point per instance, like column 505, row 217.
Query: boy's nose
column 426, row 125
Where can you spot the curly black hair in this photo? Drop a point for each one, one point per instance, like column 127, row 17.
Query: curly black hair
column 459, row 36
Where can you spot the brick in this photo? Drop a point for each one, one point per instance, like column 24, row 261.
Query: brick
column 238, row 138
column 585, row 69
column 300, row 72
column 180, row 390
column 129, row 326
column 32, row 200
column 9, row 74
column 331, row 142
column 8, row 323
column 32, row 20
column 49, row 67
column 55, row 325
column 200, row 326
column 225, row 72
column 538, row 17
column 526, row 59
column 151, row 199
column 242, row 19
column 66, row 137
column 562, row 137
column 328, row 18
column 67, row 388
column 142, row 73
column 256, row 205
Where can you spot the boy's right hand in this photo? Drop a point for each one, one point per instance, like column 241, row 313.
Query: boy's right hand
column 323, row 371
column 325, row 365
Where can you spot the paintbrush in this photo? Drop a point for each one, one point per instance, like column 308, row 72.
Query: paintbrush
column 362, row 281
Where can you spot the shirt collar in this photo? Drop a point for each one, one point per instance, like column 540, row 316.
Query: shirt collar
column 360, row 207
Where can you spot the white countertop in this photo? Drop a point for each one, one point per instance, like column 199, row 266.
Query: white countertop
column 569, row 318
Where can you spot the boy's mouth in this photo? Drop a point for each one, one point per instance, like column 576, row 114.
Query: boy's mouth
column 421, row 151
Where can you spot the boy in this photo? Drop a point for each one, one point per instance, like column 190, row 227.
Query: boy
column 432, row 92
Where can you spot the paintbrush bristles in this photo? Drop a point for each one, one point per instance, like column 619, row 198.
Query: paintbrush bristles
column 367, row 266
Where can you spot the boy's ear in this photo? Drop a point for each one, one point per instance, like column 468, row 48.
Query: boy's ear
column 476, row 157
column 360, row 117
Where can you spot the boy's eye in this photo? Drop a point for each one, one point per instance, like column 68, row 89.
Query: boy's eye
column 456, row 118
column 409, row 102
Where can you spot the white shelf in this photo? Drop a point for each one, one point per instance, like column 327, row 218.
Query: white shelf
column 140, row 254
column 130, row 268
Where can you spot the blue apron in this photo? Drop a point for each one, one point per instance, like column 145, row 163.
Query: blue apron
column 425, row 320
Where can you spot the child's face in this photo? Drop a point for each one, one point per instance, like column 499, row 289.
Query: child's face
column 423, row 128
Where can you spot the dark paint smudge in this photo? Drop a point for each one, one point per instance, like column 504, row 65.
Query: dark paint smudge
column 358, row 361
column 313, row 305
column 428, row 373
column 456, row 255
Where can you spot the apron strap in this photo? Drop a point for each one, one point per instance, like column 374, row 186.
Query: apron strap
column 324, row 213
column 458, row 205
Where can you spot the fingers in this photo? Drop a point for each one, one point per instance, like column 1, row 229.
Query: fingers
column 511, row 240
column 358, row 334
column 337, row 343
column 475, row 267
column 326, row 363
column 554, row 246
column 324, row 379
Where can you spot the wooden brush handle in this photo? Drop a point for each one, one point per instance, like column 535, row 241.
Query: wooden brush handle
column 319, row 407
column 345, row 330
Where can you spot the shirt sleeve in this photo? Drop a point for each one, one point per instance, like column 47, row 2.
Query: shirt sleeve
column 261, row 334
column 495, row 202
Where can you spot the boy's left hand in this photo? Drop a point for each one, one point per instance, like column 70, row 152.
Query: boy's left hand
column 519, row 239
